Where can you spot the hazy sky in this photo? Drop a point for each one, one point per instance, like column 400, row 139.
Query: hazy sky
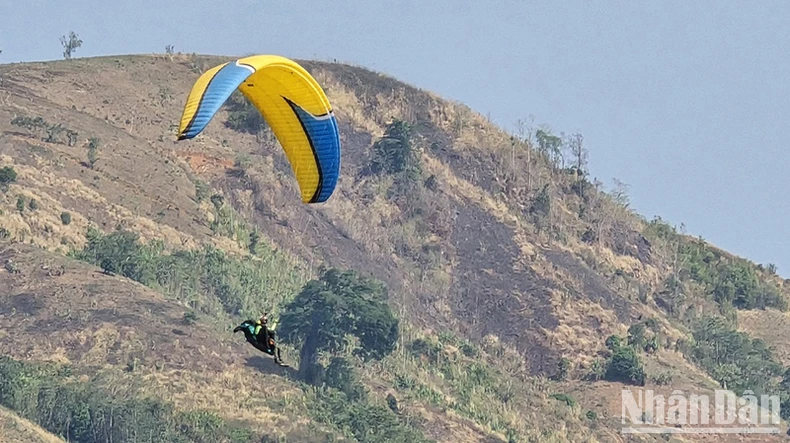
column 685, row 101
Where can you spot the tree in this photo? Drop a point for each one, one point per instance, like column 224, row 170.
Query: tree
column 70, row 44
column 93, row 151
column 579, row 152
column 575, row 144
column 636, row 335
column 549, row 145
column 394, row 153
column 118, row 253
column 540, row 209
column 525, row 135
column 327, row 310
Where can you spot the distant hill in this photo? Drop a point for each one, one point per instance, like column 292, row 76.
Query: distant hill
column 509, row 266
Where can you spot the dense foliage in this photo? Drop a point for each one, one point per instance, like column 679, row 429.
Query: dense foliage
column 208, row 279
column 82, row 412
column 243, row 116
column 395, row 152
column 336, row 305
column 362, row 420
column 734, row 359
column 702, row 271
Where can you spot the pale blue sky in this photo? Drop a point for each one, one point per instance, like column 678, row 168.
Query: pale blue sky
column 685, row 101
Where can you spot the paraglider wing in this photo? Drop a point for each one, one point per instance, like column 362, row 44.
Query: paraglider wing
column 292, row 103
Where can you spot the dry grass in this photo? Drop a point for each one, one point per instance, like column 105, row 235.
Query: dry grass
column 574, row 338
column 14, row 429
column 771, row 326
column 347, row 104
column 236, row 393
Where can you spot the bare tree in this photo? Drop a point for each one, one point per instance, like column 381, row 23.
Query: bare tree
column 600, row 214
column 620, row 193
column 524, row 132
column 579, row 153
column 70, row 44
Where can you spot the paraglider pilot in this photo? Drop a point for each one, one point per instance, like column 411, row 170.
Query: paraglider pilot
column 258, row 334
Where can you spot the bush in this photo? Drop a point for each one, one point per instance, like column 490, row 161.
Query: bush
column 662, row 379
column 565, row 398
column 613, row 342
column 201, row 190
column 625, row 366
column 563, row 366
column 190, row 318
column 7, row 176
column 243, row 116
column 50, row 133
column 340, row 375
column 65, row 218
column 394, row 153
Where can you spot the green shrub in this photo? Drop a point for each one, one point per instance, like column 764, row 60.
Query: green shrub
column 625, row 366
column 65, row 218
column 662, row 379
column 613, row 342
column 563, row 366
column 565, row 398
column 395, row 153
column 340, row 375
column 243, row 116
column 7, row 176
column 190, row 318
column 201, row 190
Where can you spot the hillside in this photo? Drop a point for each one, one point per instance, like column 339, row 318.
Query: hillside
column 18, row 430
column 508, row 265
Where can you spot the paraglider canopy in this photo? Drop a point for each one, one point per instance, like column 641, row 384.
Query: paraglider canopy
column 292, row 103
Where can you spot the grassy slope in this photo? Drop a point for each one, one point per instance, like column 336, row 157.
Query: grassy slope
column 526, row 297
column 14, row 429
